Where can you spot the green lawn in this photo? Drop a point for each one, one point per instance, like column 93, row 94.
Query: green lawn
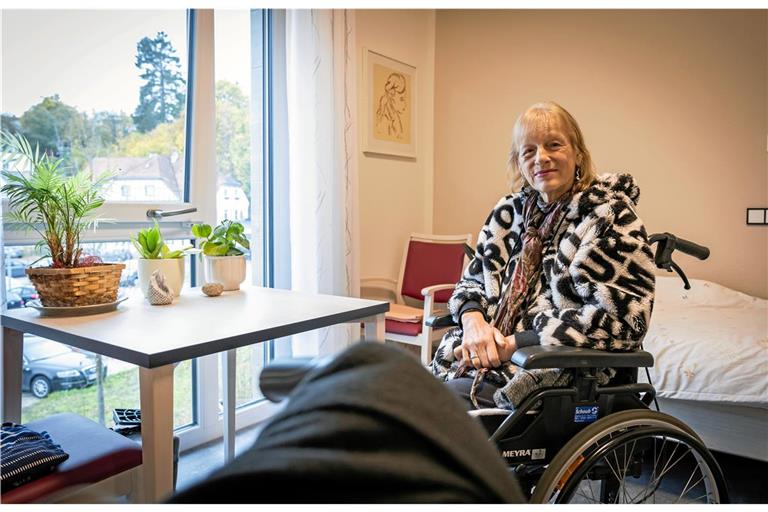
column 121, row 391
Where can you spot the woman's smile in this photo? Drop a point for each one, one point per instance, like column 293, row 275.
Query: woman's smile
column 545, row 173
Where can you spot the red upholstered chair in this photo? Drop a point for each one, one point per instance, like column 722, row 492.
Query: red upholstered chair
column 429, row 270
column 101, row 461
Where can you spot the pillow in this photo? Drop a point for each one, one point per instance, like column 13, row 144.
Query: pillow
column 26, row 455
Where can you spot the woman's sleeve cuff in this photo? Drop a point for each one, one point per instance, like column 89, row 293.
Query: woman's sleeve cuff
column 470, row 305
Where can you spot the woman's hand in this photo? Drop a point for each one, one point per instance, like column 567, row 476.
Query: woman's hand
column 505, row 346
column 478, row 344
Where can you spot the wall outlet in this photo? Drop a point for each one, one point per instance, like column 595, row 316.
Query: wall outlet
column 757, row 216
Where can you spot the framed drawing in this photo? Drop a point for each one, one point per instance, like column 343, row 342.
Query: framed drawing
column 389, row 111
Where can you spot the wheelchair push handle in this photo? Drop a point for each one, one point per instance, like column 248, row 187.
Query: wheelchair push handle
column 667, row 243
column 686, row 246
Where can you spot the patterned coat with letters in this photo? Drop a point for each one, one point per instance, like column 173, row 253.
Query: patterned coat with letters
column 595, row 290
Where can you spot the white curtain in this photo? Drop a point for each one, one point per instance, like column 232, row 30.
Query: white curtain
column 320, row 77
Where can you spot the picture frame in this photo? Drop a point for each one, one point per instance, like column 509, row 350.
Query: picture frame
column 389, row 106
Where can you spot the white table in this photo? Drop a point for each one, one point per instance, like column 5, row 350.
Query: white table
column 156, row 337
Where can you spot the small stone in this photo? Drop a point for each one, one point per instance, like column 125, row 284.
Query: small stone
column 213, row 289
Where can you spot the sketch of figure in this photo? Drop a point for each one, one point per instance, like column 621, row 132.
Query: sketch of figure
column 392, row 105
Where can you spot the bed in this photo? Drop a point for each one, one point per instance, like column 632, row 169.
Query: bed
column 710, row 345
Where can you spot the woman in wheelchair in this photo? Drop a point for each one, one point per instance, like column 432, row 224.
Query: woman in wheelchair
column 551, row 312
column 563, row 261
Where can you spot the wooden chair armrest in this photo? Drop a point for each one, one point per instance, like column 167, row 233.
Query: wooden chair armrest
column 431, row 290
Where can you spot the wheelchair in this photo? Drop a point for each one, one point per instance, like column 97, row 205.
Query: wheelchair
column 589, row 443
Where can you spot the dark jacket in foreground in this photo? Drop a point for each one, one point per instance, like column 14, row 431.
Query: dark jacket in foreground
column 372, row 427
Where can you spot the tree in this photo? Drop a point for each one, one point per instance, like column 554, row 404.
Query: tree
column 163, row 140
column 161, row 98
column 105, row 129
column 56, row 127
column 9, row 123
column 232, row 134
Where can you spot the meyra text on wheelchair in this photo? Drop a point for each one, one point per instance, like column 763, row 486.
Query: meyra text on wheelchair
column 587, row 443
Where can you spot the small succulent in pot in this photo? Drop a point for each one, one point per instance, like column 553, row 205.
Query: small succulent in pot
column 151, row 246
column 154, row 254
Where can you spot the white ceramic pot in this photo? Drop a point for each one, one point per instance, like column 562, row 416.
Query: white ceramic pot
column 171, row 268
column 227, row 270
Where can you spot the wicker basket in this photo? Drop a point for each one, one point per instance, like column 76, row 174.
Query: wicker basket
column 81, row 286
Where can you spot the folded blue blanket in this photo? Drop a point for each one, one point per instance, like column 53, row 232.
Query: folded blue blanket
column 26, row 455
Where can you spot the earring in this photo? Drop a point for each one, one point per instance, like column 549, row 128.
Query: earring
column 578, row 173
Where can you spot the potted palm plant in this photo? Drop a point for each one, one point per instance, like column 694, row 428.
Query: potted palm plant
column 154, row 254
column 223, row 256
column 59, row 207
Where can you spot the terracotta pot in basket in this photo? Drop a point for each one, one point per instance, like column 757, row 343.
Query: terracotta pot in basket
column 81, row 286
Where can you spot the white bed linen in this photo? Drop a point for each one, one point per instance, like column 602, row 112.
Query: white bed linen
column 710, row 343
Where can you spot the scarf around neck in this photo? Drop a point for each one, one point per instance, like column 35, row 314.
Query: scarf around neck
column 540, row 222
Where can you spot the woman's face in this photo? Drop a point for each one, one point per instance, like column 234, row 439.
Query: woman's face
column 548, row 161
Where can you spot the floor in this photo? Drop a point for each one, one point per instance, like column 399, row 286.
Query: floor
column 746, row 477
column 196, row 464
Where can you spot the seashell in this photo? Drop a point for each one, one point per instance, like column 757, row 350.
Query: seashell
column 213, row 289
column 158, row 292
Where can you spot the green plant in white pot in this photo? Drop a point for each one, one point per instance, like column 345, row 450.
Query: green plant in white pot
column 154, row 254
column 223, row 256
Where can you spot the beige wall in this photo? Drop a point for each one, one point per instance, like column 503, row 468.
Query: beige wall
column 395, row 193
column 677, row 98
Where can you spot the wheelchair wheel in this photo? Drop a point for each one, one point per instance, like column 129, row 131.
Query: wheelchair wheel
column 636, row 456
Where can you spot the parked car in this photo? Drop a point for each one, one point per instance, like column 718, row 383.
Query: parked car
column 15, row 268
column 27, row 293
column 13, row 300
column 50, row 366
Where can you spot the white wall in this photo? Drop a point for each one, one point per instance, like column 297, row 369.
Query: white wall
column 395, row 193
column 676, row 98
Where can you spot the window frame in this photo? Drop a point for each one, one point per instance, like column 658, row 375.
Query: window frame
column 200, row 192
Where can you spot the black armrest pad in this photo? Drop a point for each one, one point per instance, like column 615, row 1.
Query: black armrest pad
column 561, row 356
column 279, row 378
column 440, row 321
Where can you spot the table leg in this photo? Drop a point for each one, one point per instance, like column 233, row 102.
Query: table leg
column 228, row 363
column 13, row 345
column 156, row 389
column 374, row 328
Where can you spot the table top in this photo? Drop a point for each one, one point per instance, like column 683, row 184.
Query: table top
column 194, row 325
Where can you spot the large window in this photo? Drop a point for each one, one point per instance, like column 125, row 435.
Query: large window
column 107, row 93
column 128, row 91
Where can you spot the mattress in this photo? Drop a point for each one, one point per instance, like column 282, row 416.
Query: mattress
column 710, row 343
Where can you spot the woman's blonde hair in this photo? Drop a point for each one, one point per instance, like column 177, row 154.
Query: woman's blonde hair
column 542, row 115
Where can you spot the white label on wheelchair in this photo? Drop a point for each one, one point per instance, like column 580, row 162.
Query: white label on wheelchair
column 585, row 413
column 533, row 454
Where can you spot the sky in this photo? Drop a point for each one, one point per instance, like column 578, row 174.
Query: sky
column 87, row 56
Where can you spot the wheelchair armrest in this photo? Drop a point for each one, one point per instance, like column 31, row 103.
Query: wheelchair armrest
column 562, row 356
column 440, row 321
column 279, row 378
